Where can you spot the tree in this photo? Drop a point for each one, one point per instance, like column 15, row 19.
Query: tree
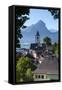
column 47, row 41
column 24, row 68
column 55, row 13
column 29, row 75
column 55, row 48
column 21, row 17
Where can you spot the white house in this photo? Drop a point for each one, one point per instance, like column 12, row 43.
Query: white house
column 47, row 70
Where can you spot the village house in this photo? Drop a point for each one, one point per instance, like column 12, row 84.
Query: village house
column 47, row 70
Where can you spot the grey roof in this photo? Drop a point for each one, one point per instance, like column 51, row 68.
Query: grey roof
column 48, row 67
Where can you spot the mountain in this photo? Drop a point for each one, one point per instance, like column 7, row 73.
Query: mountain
column 30, row 32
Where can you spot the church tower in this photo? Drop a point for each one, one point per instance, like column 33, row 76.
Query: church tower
column 37, row 38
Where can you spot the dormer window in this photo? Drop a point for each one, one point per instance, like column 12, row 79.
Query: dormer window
column 39, row 76
column 42, row 76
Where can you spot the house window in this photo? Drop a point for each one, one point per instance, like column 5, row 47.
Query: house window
column 35, row 76
column 42, row 76
column 38, row 76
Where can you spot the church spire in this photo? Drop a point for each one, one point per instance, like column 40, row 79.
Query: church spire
column 37, row 38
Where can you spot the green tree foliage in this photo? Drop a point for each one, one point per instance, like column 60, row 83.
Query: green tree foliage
column 29, row 75
column 47, row 41
column 24, row 68
column 55, row 48
column 54, row 13
column 21, row 17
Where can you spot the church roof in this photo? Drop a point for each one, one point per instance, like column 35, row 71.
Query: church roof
column 33, row 45
column 37, row 34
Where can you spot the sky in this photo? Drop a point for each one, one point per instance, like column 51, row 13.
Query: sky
column 44, row 15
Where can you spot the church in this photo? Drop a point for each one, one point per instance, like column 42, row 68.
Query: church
column 37, row 46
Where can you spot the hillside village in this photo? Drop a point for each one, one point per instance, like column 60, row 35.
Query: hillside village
column 44, row 58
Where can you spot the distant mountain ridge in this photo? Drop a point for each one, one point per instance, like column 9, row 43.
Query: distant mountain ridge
column 30, row 32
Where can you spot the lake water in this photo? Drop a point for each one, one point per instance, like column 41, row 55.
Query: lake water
column 25, row 46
